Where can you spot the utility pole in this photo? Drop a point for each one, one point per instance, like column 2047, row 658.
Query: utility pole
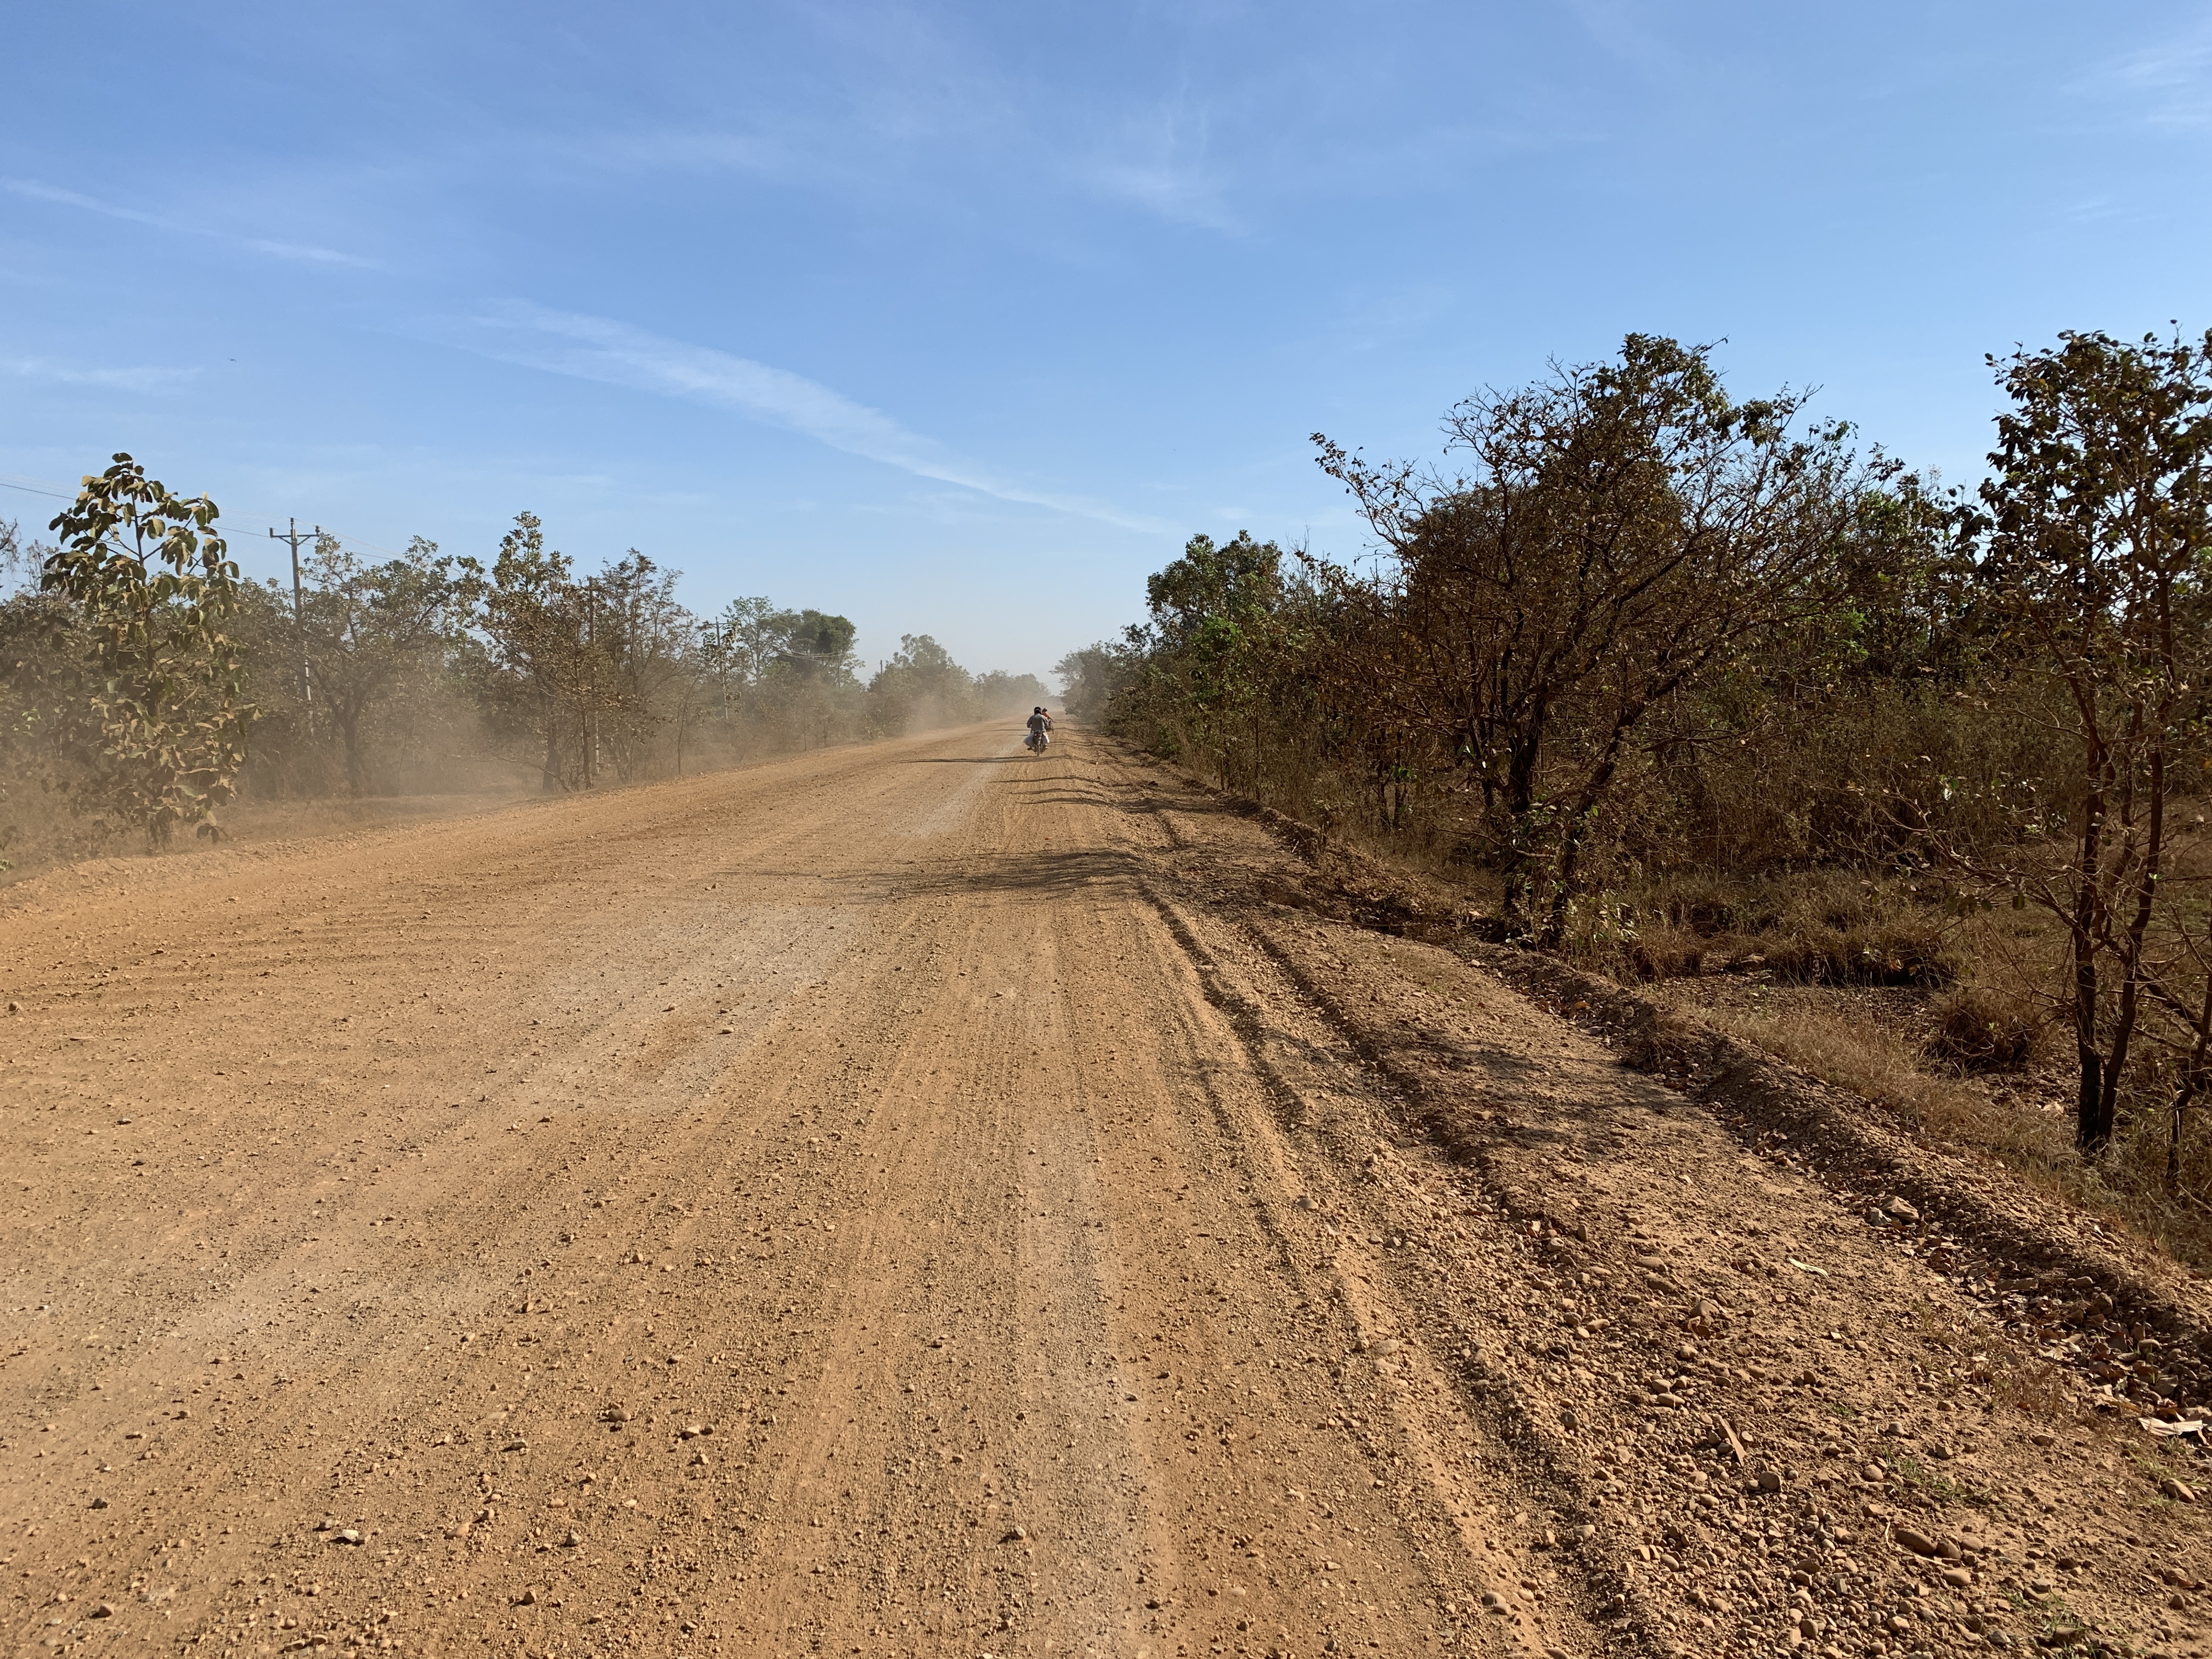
column 294, row 536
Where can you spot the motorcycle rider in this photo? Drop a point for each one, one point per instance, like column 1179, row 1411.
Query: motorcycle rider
column 1040, row 728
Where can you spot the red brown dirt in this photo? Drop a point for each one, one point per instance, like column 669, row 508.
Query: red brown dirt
column 923, row 1200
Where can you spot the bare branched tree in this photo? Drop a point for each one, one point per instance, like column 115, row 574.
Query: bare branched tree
column 1608, row 536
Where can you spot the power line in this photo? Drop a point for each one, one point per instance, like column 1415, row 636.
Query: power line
column 27, row 490
column 60, row 495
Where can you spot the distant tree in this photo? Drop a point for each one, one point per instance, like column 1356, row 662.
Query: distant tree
column 15, row 560
column 1089, row 678
column 161, row 710
column 533, row 618
column 999, row 692
column 921, row 686
column 739, row 643
column 820, row 644
column 930, row 669
column 35, row 675
column 370, row 630
column 639, row 644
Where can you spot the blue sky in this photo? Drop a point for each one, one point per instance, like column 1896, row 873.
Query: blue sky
column 959, row 317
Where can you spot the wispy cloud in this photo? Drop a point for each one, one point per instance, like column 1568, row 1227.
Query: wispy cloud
column 1159, row 161
column 684, row 150
column 33, row 190
column 121, row 380
column 2167, row 84
column 615, row 354
column 298, row 252
column 303, row 253
column 1389, row 316
column 1624, row 32
column 1188, row 196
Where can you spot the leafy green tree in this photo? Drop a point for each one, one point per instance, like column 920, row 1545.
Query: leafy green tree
column 1214, row 589
column 1206, row 667
column 1617, row 533
column 820, row 645
column 372, row 633
column 162, row 710
column 533, row 616
column 2099, row 527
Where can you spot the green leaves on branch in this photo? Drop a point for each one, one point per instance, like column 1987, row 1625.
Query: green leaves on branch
column 150, row 587
column 2097, row 535
column 1604, row 542
column 577, row 666
column 372, row 634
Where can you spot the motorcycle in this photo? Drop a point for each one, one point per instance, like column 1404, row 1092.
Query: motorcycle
column 1036, row 741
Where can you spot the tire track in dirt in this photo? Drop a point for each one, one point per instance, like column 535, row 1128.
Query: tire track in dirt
column 813, row 1208
column 1756, row 1420
column 1323, row 1092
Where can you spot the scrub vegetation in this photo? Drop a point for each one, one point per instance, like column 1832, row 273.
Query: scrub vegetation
column 1706, row 693
column 145, row 685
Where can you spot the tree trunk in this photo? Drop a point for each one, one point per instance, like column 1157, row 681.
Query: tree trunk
column 2090, row 1131
column 349, row 723
column 2124, row 1015
column 1577, row 830
column 1521, row 801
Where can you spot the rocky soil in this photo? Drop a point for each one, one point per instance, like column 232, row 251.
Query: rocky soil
column 919, row 1199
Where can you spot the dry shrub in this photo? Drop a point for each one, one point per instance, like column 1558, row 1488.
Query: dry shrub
column 1977, row 1031
column 1660, row 953
column 1894, row 950
column 1817, row 927
column 1840, row 1045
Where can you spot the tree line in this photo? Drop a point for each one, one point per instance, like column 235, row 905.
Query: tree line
column 145, row 683
column 1631, row 638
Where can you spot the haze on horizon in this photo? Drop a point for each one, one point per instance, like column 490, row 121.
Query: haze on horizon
column 958, row 319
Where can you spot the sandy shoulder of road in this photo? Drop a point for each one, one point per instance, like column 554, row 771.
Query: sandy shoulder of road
column 924, row 1199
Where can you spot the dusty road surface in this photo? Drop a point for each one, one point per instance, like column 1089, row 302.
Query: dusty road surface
column 895, row 1201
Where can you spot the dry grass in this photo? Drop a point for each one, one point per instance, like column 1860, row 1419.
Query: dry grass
column 1909, row 994
column 1900, row 989
column 1818, row 928
column 1977, row 1030
column 1837, row 1042
column 2030, row 1383
column 1840, row 1045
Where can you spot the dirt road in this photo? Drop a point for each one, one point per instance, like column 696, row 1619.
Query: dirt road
column 875, row 1204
